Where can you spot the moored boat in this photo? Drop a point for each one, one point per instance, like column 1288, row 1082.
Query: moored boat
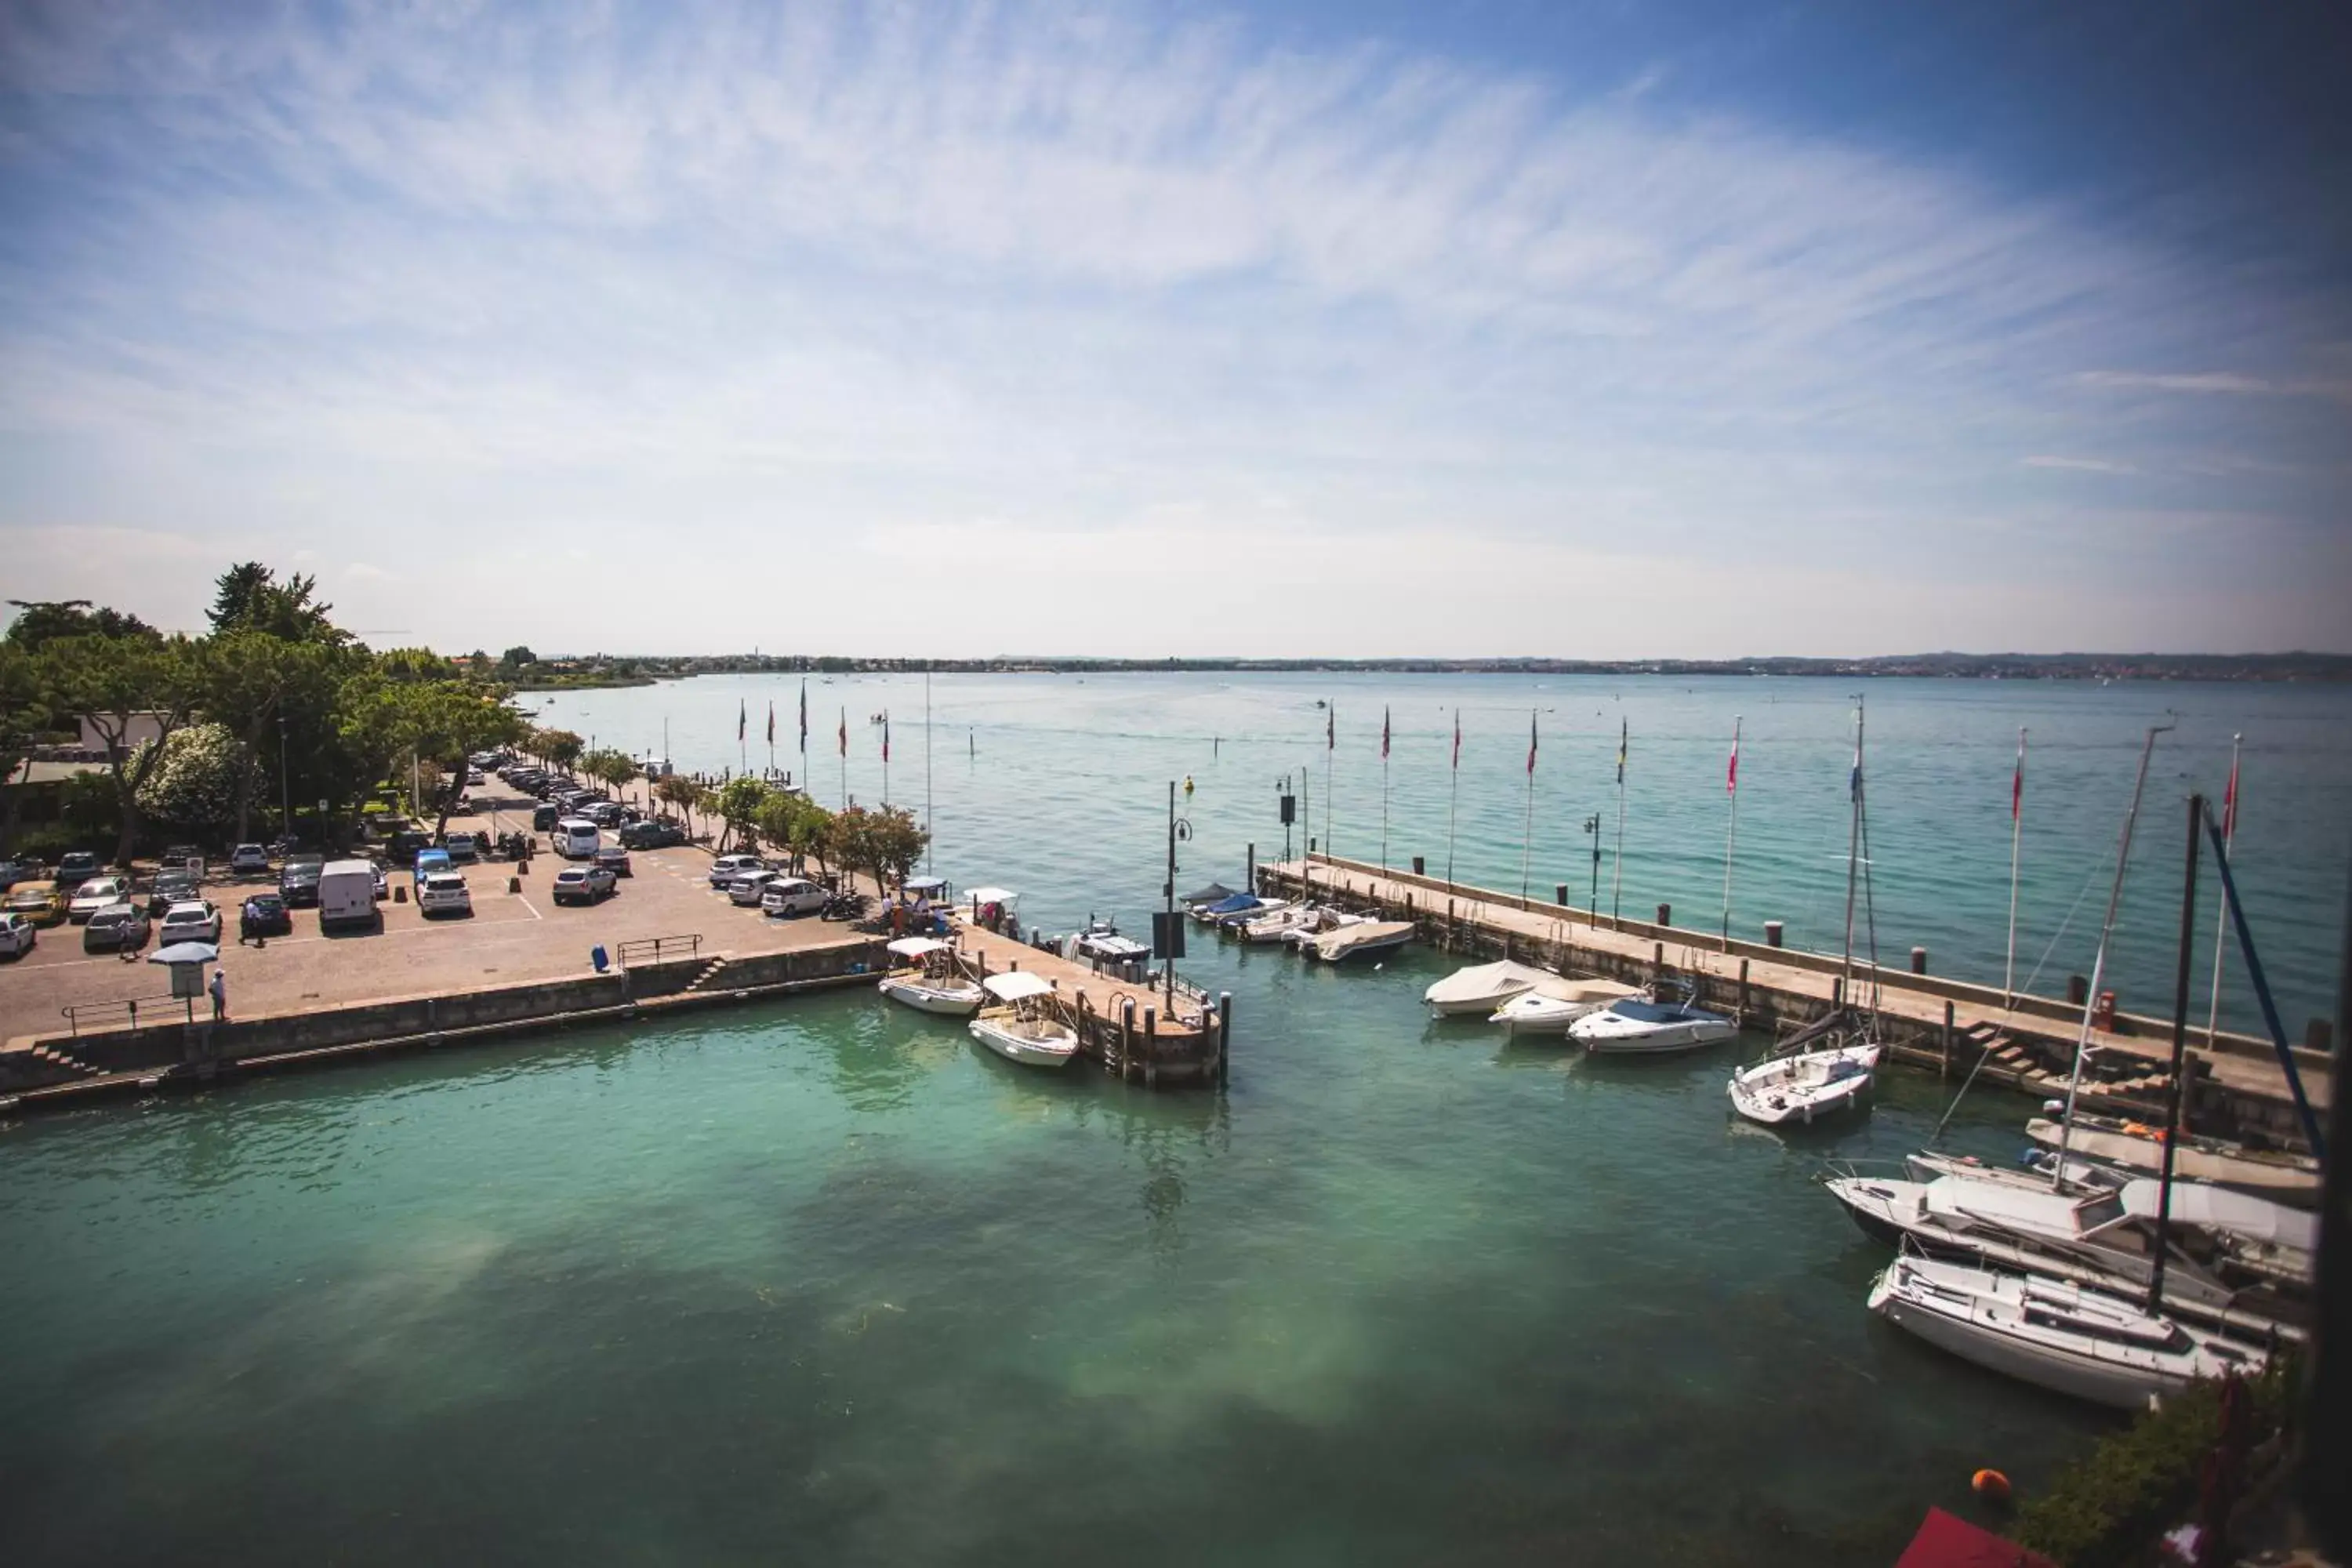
column 2271, row 1173
column 931, row 982
column 1549, row 1008
column 1639, row 1025
column 1023, row 1027
column 1804, row 1085
column 1482, row 987
column 1368, row 940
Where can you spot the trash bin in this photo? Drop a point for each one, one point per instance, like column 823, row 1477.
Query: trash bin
column 596, row 955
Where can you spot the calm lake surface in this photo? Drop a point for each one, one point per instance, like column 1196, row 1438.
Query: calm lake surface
column 822, row 1282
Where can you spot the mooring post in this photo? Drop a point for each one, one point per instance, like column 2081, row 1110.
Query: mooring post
column 1946, row 1070
column 1919, row 961
column 1837, row 994
column 1224, row 1035
column 1743, row 987
column 1125, row 1038
column 1151, row 1048
column 1252, row 883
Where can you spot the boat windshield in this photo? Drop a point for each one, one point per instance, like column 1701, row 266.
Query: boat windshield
column 2103, row 1210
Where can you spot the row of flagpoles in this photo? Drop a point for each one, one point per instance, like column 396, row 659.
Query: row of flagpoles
column 743, row 742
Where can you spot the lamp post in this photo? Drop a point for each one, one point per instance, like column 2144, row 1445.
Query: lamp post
column 1593, row 911
column 285, row 784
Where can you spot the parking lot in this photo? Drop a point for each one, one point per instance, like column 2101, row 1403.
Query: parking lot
column 509, row 939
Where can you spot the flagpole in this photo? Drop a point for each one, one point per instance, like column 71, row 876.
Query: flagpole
column 1528, row 833
column 2221, row 916
column 2016, row 836
column 1617, row 871
column 927, row 769
column 772, row 737
column 742, row 740
column 845, row 756
column 1384, row 789
column 885, row 759
column 1330, row 745
column 1454, row 800
column 805, row 768
column 1732, row 837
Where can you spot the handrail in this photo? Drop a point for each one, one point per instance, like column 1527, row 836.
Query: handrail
column 651, row 949
column 74, row 1014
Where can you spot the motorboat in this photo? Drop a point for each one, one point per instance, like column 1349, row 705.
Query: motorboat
column 1022, row 1025
column 930, row 980
column 1550, row 1007
column 1100, row 943
column 1231, row 904
column 1325, row 921
column 1214, row 893
column 1273, row 927
column 2265, row 1172
column 1231, row 925
column 1482, row 987
column 1804, row 1085
column 1368, row 939
column 2053, row 1333
column 1654, row 1024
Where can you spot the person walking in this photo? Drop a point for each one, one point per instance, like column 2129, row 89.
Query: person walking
column 219, row 989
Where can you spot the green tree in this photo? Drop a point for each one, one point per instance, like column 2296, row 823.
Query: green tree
column 124, row 685
column 737, row 805
column 611, row 768
column 895, row 846
column 561, row 747
column 23, row 713
column 518, row 657
column 43, row 621
column 681, row 794
column 249, row 598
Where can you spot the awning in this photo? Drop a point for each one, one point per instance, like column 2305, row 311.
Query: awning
column 1015, row 984
column 925, row 884
column 917, row 946
column 989, row 895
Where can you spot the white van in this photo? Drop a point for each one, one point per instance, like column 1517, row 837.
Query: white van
column 576, row 838
column 347, row 894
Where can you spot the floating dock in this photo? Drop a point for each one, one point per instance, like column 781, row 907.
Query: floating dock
column 1946, row 1026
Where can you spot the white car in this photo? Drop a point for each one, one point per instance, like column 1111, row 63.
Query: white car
column 17, row 934
column 444, row 894
column 249, row 861
column 727, row 868
column 750, row 886
column 192, row 921
column 98, row 893
column 791, row 895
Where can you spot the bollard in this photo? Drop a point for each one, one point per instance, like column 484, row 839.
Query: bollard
column 1125, row 1038
column 1151, row 1048
column 1771, row 934
column 400, row 892
column 1743, row 987
column 514, row 884
column 2319, row 1035
column 1249, row 879
column 2078, row 990
column 1837, row 994
column 1658, row 956
column 1559, row 893
column 1666, row 914
column 1417, row 867
column 1946, row 1070
column 1919, row 961
column 1224, row 1035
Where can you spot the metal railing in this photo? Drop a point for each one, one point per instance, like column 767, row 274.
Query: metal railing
column 653, row 949
column 93, row 1012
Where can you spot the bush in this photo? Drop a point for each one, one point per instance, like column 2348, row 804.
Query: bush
column 2108, row 1508
column 194, row 788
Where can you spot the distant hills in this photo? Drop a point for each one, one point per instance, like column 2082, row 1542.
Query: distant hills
column 636, row 669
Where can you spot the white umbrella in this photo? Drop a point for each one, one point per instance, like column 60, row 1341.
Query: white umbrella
column 185, row 952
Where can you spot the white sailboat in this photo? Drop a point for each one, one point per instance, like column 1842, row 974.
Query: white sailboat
column 1023, row 1028
column 930, row 981
column 1551, row 1007
column 2054, row 1333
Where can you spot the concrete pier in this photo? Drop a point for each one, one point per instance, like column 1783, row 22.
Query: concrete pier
column 1939, row 1025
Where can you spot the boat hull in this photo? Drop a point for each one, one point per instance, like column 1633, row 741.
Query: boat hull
column 1802, row 1088
column 1057, row 1049
column 1662, row 1040
column 946, row 1002
column 2291, row 1182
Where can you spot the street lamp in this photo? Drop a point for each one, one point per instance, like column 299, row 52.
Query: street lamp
column 285, row 785
column 1593, row 911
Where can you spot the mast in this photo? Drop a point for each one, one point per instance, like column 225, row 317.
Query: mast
column 1853, row 851
column 927, row 866
column 2221, row 915
column 2179, row 1052
column 2099, row 963
column 2016, row 834
column 1527, row 831
column 1617, row 871
column 1731, row 837
column 1452, row 800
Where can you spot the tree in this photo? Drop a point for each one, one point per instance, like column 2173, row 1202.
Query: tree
column 121, row 684
column 561, row 747
column 895, row 846
column 24, row 712
column 609, row 767
column 738, row 805
column 44, row 621
column 195, row 785
column 517, row 656
column 681, row 793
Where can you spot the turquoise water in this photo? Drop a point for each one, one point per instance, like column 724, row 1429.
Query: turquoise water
column 822, row 1282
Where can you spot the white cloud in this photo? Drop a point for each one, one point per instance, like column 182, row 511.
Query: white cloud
column 753, row 291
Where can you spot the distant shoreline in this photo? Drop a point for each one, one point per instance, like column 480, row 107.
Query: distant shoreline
column 2285, row 667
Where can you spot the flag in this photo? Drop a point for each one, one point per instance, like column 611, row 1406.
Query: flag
column 803, row 713
column 2229, row 803
column 742, row 717
column 772, row 720
column 1624, row 733
column 2017, row 782
column 845, row 732
column 886, row 738
column 1384, row 734
column 1457, row 740
column 1731, row 773
column 1331, row 727
column 1532, row 744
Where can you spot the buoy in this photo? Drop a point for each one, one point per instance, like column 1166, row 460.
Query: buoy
column 1188, row 783
column 1990, row 1485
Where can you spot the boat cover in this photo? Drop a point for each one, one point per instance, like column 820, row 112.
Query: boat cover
column 1485, row 983
column 1208, row 895
column 2218, row 1208
column 1015, row 984
column 917, row 946
column 1234, row 904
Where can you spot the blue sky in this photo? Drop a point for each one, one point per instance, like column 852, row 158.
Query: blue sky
column 1600, row 330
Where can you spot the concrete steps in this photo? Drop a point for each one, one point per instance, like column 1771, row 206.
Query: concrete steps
column 710, row 971
column 64, row 1060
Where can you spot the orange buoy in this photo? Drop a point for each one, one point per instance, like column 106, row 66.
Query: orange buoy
column 1990, row 1485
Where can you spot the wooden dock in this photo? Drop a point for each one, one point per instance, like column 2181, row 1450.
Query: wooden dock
column 1943, row 1026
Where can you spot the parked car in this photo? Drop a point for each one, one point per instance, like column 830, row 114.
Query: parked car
column 95, row 894
column 791, row 895
column 652, row 834
column 727, row 867
column 400, row 847
column 614, row 859
column 347, row 894
column 431, row 862
column 543, row 818
column 196, row 920
column 36, row 902
column 298, row 882
column 583, row 884
column 464, row 849
column 444, row 894
column 383, row 883
column 575, row 838
column 475, row 776
column 249, row 860
column 15, row 871
column 605, row 814
column 17, row 934
column 745, row 890
column 264, row 914
column 172, row 887
column 114, row 929
column 75, row 868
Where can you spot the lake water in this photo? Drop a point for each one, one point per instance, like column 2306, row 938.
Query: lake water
column 822, row 1282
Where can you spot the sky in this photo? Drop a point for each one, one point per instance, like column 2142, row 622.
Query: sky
column 1602, row 330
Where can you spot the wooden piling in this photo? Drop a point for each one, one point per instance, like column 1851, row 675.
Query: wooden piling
column 1944, row 1070
column 1224, row 1034
column 1743, row 988
column 1125, row 1038
column 1151, row 1048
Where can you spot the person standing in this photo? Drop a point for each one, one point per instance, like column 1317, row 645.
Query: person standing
column 219, row 989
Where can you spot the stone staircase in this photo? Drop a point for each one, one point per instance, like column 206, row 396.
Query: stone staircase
column 63, row 1060
column 710, row 971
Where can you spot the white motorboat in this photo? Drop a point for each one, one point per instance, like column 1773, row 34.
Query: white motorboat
column 1368, row 939
column 2288, row 1178
column 2052, row 1333
column 1804, row 1085
column 1549, row 1008
column 1324, row 921
column 1101, row 943
column 1482, row 987
column 931, row 982
column 1275, row 927
column 2084, row 1175
column 1023, row 1028
column 1640, row 1026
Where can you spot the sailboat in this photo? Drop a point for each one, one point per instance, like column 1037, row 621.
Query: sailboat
column 1797, row 1085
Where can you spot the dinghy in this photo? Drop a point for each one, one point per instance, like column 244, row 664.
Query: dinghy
column 1023, row 1028
column 931, row 982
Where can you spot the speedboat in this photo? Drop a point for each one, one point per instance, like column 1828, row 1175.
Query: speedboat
column 2270, row 1174
column 932, row 980
column 1482, row 987
column 1277, row 925
column 1368, row 939
column 1302, row 936
column 1550, row 1007
column 1806, row 1085
column 1647, row 1026
column 1232, row 925
column 2053, row 1333
column 1021, row 1028
column 1101, row 943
